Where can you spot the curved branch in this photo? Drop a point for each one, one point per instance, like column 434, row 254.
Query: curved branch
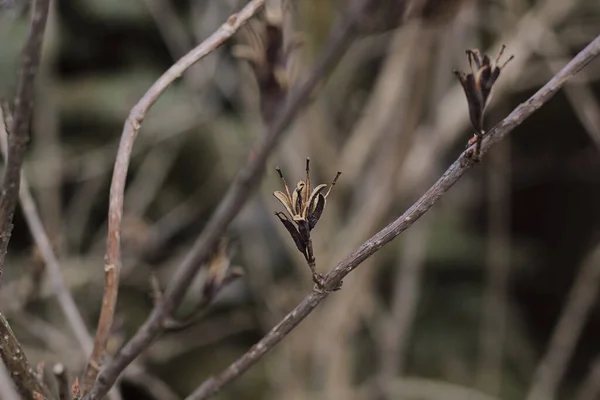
column 132, row 126
column 238, row 193
column 334, row 278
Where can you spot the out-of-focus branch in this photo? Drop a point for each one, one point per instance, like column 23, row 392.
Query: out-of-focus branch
column 17, row 142
column 590, row 388
column 341, row 37
column 580, row 302
column 334, row 278
column 42, row 241
column 12, row 355
column 132, row 126
column 495, row 303
column 428, row 389
column 60, row 287
column 407, row 288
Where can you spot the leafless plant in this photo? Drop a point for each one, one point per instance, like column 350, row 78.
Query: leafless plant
column 333, row 279
column 389, row 144
column 130, row 131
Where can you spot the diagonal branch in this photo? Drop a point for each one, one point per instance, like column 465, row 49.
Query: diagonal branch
column 17, row 142
column 13, row 356
column 334, row 278
column 340, row 39
column 41, row 239
column 132, row 126
column 561, row 347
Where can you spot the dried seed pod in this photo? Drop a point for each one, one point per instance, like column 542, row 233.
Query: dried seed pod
column 478, row 85
column 304, row 209
column 266, row 53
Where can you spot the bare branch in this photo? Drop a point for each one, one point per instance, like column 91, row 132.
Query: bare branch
column 590, row 387
column 17, row 142
column 132, row 126
column 387, row 234
column 580, row 302
column 17, row 365
column 239, row 191
column 12, row 355
column 42, row 241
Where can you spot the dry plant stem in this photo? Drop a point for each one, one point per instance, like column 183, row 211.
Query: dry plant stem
column 17, row 143
column 41, row 239
column 236, row 196
column 7, row 388
column 17, row 365
column 132, row 126
column 580, row 302
column 375, row 243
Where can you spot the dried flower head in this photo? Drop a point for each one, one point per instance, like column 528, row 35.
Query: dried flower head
column 304, row 208
column 478, row 86
column 267, row 53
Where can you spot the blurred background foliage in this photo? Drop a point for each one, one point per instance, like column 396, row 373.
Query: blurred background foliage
column 469, row 296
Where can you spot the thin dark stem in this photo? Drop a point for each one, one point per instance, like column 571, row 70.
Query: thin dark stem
column 238, row 193
column 334, row 278
column 17, row 142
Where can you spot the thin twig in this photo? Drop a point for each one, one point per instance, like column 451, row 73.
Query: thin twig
column 17, row 143
column 238, row 193
column 132, row 126
column 580, row 302
column 375, row 243
column 42, row 241
column 16, row 362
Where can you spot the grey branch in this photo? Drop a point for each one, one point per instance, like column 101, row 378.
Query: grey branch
column 340, row 39
column 395, row 228
column 17, row 142
column 117, row 188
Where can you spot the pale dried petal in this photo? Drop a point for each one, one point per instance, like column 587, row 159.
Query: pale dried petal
column 285, row 200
